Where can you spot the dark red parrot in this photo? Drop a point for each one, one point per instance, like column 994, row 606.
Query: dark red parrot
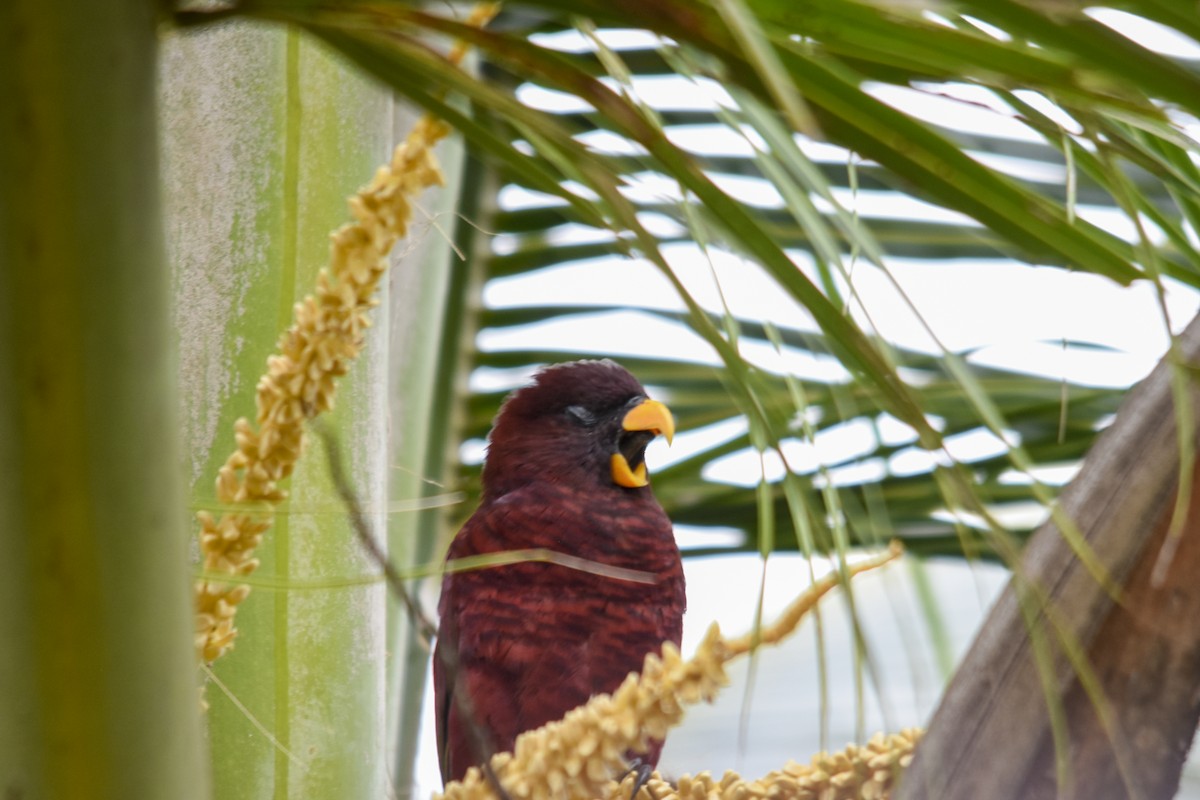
column 525, row 643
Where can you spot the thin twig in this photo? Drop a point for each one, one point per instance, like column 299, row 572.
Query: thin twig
column 424, row 626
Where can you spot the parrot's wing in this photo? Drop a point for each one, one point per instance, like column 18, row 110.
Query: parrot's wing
column 443, row 694
column 477, row 652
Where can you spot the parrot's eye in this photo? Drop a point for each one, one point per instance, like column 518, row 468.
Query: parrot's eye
column 581, row 415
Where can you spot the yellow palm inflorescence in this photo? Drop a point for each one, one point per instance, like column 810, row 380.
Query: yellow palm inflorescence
column 326, row 335
column 860, row 772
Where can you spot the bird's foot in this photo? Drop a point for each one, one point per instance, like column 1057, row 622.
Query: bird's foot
column 494, row 780
column 642, row 772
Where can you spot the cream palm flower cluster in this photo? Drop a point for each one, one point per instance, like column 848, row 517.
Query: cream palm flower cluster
column 326, row 336
column 577, row 757
column 860, row 772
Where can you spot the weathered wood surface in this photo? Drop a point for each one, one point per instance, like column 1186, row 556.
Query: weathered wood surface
column 991, row 736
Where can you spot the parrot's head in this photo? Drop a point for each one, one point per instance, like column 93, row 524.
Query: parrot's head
column 585, row 421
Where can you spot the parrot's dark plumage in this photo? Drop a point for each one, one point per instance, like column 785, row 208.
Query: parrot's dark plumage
column 529, row 641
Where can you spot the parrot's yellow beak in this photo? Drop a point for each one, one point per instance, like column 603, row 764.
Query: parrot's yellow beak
column 653, row 417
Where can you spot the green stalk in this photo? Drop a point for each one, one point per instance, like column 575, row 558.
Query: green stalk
column 420, row 281
column 266, row 135
column 97, row 673
column 447, row 336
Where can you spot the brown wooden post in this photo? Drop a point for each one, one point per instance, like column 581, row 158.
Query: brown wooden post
column 992, row 737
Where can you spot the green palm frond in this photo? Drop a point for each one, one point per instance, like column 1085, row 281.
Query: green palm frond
column 1113, row 142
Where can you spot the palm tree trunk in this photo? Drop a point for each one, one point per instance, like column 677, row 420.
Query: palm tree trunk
column 266, row 134
column 97, row 668
column 1022, row 719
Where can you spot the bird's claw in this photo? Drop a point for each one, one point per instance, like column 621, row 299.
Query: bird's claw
column 642, row 771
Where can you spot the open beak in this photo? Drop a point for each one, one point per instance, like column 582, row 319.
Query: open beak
column 650, row 416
